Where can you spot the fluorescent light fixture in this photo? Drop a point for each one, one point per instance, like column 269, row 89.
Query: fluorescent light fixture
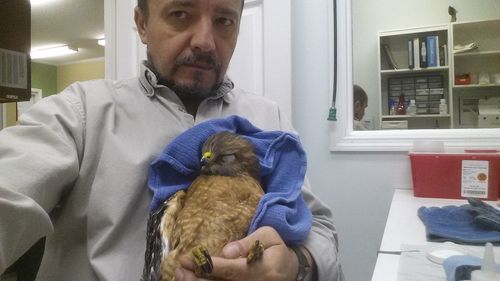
column 101, row 42
column 38, row 2
column 52, row 52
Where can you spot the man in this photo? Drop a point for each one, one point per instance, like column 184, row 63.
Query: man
column 75, row 169
column 360, row 103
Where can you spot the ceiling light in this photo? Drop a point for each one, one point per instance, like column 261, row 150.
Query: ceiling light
column 52, row 52
column 101, row 42
column 37, row 2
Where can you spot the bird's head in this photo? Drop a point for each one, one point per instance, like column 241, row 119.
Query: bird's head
column 229, row 154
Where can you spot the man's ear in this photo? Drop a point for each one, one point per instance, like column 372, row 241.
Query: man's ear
column 357, row 104
column 141, row 23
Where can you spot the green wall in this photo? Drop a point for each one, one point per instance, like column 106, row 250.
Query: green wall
column 44, row 77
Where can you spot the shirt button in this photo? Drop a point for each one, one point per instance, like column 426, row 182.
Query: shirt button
column 181, row 109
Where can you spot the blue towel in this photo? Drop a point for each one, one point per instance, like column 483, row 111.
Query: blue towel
column 283, row 168
column 456, row 224
column 459, row 268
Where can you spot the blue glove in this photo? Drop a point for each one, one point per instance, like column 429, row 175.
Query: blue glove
column 485, row 215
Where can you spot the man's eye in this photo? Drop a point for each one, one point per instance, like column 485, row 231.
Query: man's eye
column 225, row 21
column 179, row 14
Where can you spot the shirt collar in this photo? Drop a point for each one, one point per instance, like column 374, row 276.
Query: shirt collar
column 149, row 82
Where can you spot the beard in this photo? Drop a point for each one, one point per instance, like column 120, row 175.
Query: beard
column 195, row 88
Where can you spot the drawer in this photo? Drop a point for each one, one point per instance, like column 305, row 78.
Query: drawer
column 396, row 87
column 422, row 110
column 421, row 80
column 434, row 97
column 395, row 81
column 421, row 86
column 422, row 92
column 422, row 104
column 434, row 85
column 395, row 93
column 422, row 98
column 436, row 91
column 408, row 80
column 409, row 86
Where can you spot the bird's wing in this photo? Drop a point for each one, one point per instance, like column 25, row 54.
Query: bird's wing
column 174, row 206
column 158, row 233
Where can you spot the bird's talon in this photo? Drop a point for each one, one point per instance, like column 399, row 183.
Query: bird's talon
column 255, row 252
column 202, row 259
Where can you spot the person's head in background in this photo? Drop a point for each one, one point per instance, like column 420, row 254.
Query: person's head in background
column 360, row 102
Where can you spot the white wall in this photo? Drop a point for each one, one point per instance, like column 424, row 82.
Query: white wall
column 370, row 17
column 358, row 186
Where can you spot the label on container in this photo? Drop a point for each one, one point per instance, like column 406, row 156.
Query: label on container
column 475, row 178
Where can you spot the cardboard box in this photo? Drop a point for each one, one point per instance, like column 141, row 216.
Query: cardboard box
column 456, row 176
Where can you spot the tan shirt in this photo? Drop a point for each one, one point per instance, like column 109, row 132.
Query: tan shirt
column 75, row 170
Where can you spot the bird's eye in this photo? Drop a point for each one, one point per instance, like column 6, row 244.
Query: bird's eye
column 228, row 157
column 207, row 155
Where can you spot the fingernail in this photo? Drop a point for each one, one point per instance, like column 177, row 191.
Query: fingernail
column 179, row 274
column 231, row 250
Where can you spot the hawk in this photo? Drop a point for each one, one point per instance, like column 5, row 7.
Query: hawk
column 217, row 208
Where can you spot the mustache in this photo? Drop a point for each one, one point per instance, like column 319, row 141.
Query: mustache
column 199, row 58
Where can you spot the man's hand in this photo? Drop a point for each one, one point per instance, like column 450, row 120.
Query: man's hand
column 277, row 263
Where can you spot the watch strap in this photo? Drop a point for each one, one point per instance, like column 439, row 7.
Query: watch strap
column 304, row 265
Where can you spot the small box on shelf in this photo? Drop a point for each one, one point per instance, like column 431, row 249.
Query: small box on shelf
column 462, row 79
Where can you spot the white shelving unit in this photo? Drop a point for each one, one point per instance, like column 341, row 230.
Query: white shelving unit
column 461, row 99
column 485, row 59
column 397, row 40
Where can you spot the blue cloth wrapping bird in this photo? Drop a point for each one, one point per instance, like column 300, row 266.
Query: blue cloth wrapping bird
column 283, row 167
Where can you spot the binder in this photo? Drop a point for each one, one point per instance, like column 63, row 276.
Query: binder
column 416, row 52
column 437, row 51
column 444, row 54
column 431, row 51
column 423, row 52
column 411, row 60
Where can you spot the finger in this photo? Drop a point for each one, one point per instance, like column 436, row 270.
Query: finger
column 267, row 235
column 230, row 269
column 184, row 275
column 234, row 250
column 187, row 263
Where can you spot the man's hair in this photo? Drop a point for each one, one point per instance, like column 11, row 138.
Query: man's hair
column 359, row 95
column 143, row 5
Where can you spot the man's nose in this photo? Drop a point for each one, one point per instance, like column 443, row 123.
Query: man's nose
column 203, row 38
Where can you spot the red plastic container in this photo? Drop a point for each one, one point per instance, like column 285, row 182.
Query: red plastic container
column 446, row 175
column 462, row 79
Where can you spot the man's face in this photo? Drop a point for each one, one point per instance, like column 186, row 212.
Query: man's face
column 190, row 42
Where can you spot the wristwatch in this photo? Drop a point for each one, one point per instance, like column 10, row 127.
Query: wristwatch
column 304, row 265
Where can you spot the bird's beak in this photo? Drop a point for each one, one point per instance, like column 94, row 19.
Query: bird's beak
column 203, row 161
column 206, row 156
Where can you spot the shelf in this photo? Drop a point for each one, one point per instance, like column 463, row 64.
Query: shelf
column 475, row 86
column 416, row 70
column 474, row 54
column 416, row 116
